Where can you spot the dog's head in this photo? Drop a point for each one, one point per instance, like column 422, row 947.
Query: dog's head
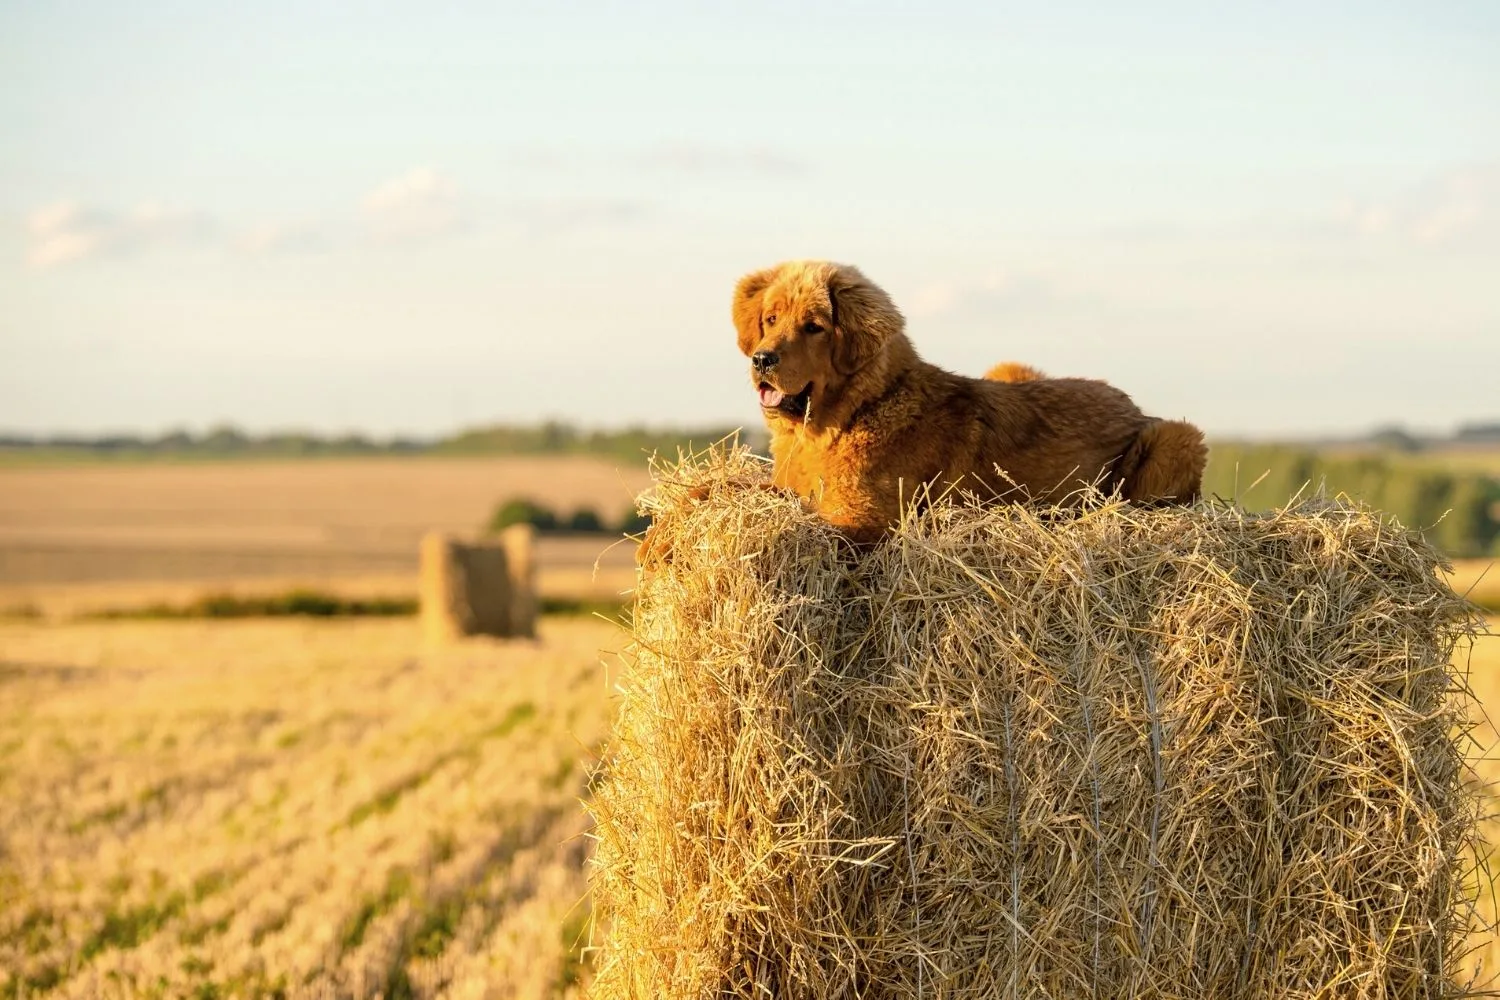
column 809, row 327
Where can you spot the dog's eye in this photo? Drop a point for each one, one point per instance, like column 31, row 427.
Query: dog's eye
column 771, row 320
column 811, row 328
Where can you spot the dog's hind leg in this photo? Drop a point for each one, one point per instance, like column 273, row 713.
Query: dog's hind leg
column 1164, row 464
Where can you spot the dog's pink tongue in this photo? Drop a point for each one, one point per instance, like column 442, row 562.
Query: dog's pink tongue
column 771, row 397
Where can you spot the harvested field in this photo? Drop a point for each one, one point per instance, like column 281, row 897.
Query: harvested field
column 311, row 808
column 1478, row 580
column 76, row 539
column 1483, row 664
column 178, row 745
column 294, row 809
column 236, row 520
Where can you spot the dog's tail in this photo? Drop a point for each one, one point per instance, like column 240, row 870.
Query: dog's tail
column 1164, row 464
column 1013, row 371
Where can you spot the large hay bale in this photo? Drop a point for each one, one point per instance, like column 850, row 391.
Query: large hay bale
column 1099, row 752
column 464, row 588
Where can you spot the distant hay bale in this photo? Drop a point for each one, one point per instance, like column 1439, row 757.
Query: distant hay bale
column 1103, row 752
column 519, row 543
column 471, row 588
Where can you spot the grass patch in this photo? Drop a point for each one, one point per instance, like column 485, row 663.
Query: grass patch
column 397, row 885
column 196, row 965
column 199, row 932
column 564, row 771
column 155, row 794
column 437, row 920
column 208, row 883
column 294, row 603
column 386, row 800
column 108, row 814
column 21, row 612
column 36, row 982
column 441, row 846
column 36, row 930
column 127, row 928
column 519, row 713
column 439, row 925
column 575, row 606
column 574, row 938
column 264, row 930
column 309, row 604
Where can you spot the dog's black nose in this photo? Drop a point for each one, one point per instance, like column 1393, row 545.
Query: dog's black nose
column 764, row 361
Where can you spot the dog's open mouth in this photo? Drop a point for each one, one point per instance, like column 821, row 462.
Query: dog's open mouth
column 772, row 398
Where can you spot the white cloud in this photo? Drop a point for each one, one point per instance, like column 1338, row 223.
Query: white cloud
column 415, row 208
column 67, row 232
column 684, row 158
column 998, row 291
column 1459, row 206
column 63, row 232
column 564, row 215
column 274, row 239
column 419, row 205
column 694, row 159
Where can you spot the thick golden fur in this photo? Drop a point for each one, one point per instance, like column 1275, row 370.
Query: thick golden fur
column 879, row 422
column 1012, row 371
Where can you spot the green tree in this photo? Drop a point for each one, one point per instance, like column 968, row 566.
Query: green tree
column 520, row 510
column 1458, row 510
column 1469, row 527
column 633, row 522
column 585, row 520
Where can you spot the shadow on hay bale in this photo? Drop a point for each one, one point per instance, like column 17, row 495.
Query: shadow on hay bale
column 1100, row 752
column 479, row 588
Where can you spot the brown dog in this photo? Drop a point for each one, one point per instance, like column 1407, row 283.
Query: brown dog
column 859, row 422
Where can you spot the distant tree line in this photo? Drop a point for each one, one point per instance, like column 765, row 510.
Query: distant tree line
column 557, row 438
column 582, row 521
column 553, row 437
column 219, row 442
column 1389, row 469
column 1457, row 509
column 1396, row 438
column 550, row 438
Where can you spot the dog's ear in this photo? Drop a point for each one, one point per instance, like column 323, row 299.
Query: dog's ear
column 746, row 307
column 864, row 319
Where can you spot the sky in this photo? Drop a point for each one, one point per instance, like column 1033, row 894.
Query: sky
column 1272, row 219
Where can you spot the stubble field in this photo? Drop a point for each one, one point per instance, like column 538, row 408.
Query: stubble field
column 291, row 807
column 1483, row 665
column 308, row 808
column 318, row 809
column 80, row 537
